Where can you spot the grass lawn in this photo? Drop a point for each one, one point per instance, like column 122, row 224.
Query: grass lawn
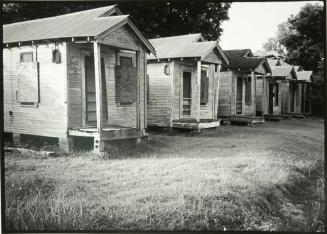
column 265, row 177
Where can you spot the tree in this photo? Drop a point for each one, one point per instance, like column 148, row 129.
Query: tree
column 302, row 36
column 154, row 19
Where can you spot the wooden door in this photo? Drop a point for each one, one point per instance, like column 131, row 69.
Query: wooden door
column 90, row 115
column 187, row 93
column 239, row 95
column 292, row 95
column 271, row 99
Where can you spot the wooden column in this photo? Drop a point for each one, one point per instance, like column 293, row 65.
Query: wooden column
column 138, row 91
column 172, row 89
column 98, row 85
column 198, row 85
column 263, row 99
column 253, row 92
column 217, row 91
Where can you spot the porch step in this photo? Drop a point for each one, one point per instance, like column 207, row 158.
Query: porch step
column 246, row 119
column 196, row 125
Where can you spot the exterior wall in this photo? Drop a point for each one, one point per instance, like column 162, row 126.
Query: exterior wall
column 160, row 91
column 225, row 93
column 49, row 117
column 259, row 95
column 125, row 115
column 207, row 111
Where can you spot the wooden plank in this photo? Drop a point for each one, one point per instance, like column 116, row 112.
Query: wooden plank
column 172, row 91
column 253, row 92
column 198, row 90
column 98, row 86
column 138, row 90
column 217, row 92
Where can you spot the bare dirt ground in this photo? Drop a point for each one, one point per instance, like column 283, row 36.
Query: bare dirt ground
column 265, row 177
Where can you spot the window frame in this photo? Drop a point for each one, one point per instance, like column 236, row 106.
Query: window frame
column 25, row 53
column 248, row 90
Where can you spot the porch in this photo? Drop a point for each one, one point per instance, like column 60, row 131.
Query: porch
column 244, row 119
column 195, row 125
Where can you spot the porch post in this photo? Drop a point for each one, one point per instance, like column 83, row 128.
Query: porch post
column 198, row 100
column 263, row 104
column 253, row 92
column 98, row 95
column 217, row 92
column 138, row 109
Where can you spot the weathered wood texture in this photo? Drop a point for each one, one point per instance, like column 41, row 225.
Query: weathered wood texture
column 225, row 92
column 49, row 116
column 160, row 88
column 124, row 115
column 122, row 38
column 259, row 95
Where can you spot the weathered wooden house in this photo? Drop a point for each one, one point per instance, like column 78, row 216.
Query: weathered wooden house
column 286, row 91
column 183, row 82
column 238, row 91
column 76, row 75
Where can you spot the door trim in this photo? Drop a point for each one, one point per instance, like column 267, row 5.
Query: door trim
column 181, row 92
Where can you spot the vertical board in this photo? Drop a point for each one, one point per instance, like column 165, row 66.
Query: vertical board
column 49, row 117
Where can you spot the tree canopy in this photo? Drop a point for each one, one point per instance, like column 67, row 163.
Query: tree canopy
column 301, row 37
column 154, row 19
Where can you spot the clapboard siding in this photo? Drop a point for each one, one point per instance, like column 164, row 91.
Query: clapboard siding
column 123, row 37
column 259, row 94
column 49, row 117
column 160, row 91
column 206, row 111
column 124, row 115
column 225, row 85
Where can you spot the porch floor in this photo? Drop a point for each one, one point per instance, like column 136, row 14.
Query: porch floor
column 187, row 124
column 109, row 132
column 246, row 119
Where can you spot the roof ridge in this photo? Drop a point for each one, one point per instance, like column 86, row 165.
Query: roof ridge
column 160, row 38
column 60, row 16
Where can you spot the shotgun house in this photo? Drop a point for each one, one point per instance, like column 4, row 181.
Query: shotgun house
column 183, row 82
column 287, row 91
column 76, row 75
column 237, row 91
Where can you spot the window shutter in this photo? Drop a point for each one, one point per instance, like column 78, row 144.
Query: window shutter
column 27, row 82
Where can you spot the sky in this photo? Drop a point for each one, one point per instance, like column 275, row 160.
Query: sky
column 250, row 24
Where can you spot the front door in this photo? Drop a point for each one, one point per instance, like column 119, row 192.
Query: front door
column 239, row 95
column 271, row 99
column 90, row 99
column 187, row 93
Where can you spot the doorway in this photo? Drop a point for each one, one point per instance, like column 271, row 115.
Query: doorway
column 90, row 95
column 187, row 93
column 239, row 95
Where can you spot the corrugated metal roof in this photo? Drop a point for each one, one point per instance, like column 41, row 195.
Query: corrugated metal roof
column 304, row 75
column 78, row 24
column 89, row 23
column 281, row 71
column 240, row 59
column 184, row 46
column 166, row 47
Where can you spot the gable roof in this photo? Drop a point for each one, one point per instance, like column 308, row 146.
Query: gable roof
column 185, row 46
column 282, row 71
column 89, row 23
column 304, row 75
column 239, row 59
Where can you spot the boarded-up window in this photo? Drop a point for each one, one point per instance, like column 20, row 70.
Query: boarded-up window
column 126, row 81
column 26, row 57
column 56, row 56
column 248, row 90
column 204, row 88
column 27, row 83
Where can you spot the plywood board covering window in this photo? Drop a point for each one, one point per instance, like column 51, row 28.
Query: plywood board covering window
column 204, row 87
column 126, row 81
column 248, row 90
column 27, row 80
